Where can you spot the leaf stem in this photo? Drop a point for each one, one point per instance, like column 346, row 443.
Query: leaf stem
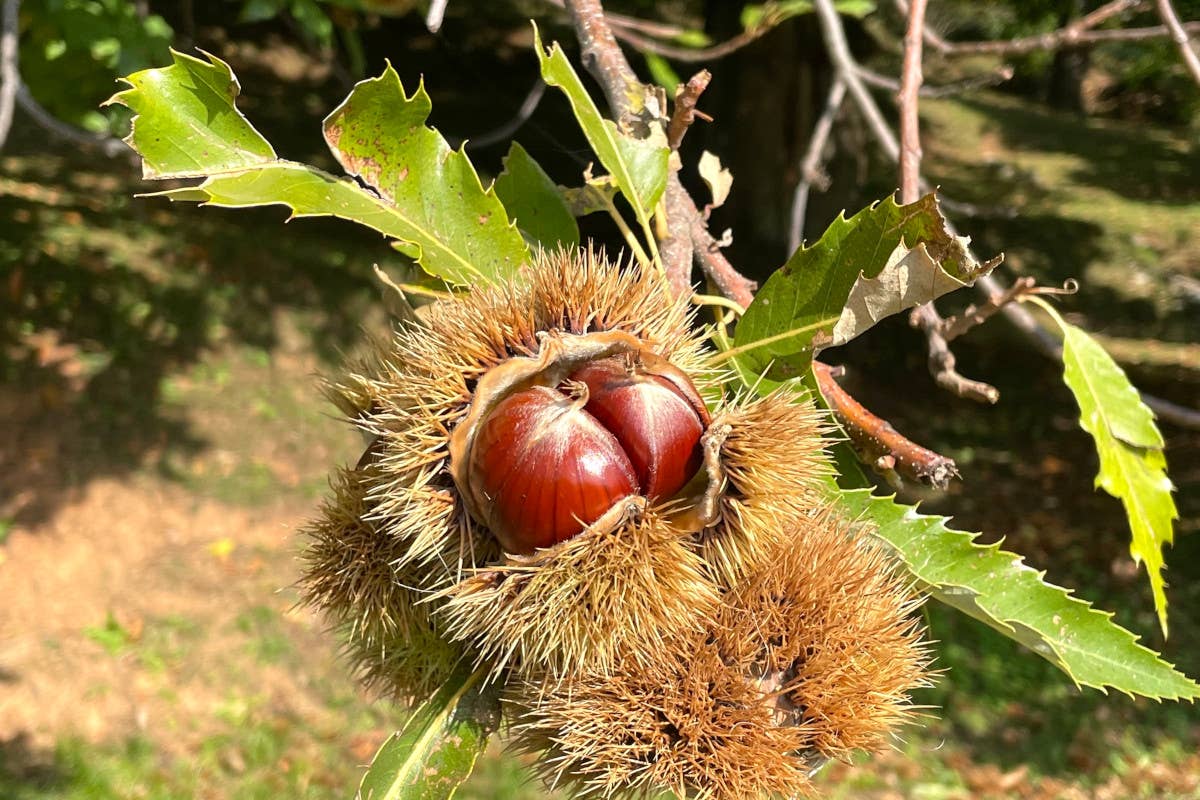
column 717, row 300
column 630, row 237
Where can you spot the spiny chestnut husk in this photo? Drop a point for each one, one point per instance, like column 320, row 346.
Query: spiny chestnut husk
column 811, row 655
column 556, row 491
column 352, row 575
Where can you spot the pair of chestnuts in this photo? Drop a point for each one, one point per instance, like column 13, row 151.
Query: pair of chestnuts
column 550, row 460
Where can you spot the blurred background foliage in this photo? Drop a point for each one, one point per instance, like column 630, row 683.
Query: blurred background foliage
column 161, row 435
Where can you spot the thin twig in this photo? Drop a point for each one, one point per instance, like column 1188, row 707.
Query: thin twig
column 1173, row 412
column 941, row 361
column 14, row 93
column 630, row 30
column 878, row 444
column 996, row 77
column 110, row 146
column 1077, row 34
column 1180, row 36
column 602, row 56
column 953, row 327
column 10, row 75
column 437, row 11
column 811, row 162
column 684, row 112
column 506, row 131
column 908, row 99
column 733, row 284
column 839, row 53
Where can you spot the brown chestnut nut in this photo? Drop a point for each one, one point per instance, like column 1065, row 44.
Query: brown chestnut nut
column 658, row 418
column 548, row 468
column 549, row 461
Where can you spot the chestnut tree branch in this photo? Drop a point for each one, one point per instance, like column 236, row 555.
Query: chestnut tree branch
column 942, row 364
column 110, row 146
column 911, row 79
column 1078, row 33
column 1000, row 75
column 601, row 54
column 15, row 94
column 505, row 132
column 877, row 443
column 631, row 29
column 811, row 163
column 1180, row 36
column 677, row 249
column 733, row 284
column 684, row 112
column 974, row 315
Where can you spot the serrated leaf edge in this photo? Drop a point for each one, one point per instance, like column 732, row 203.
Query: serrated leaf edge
column 1016, row 561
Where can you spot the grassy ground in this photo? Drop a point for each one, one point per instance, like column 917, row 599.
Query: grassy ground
column 164, row 439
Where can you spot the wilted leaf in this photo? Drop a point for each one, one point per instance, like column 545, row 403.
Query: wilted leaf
column 639, row 166
column 437, row 749
column 1132, row 465
column 534, row 202
column 718, row 178
column 997, row 588
column 427, row 197
column 884, row 259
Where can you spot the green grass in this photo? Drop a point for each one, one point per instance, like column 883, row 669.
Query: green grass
column 1115, row 205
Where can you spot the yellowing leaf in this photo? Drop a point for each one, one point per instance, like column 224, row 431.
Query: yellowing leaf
column 1133, row 467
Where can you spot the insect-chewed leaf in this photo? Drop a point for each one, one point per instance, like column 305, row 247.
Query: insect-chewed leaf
column 379, row 134
column 639, row 166
column 428, row 197
column 997, row 588
column 882, row 260
column 534, row 201
column 437, row 749
column 1133, row 467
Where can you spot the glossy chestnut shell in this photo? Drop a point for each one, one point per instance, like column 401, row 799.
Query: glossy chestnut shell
column 551, row 460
